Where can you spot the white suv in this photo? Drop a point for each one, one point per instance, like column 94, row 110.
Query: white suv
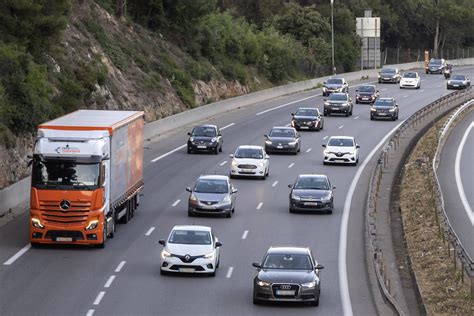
column 250, row 161
column 341, row 149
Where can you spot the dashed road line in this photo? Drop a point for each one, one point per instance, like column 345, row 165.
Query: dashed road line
column 259, row 206
column 309, row 149
column 120, row 266
column 325, row 137
column 20, row 253
column 340, row 127
column 356, row 118
column 90, row 312
column 99, row 298
column 109, row 281
column 176, row 203
column 244, row 235
column 406, row 95
column 421, row 91
column 384, row 89
column 223, row 163
column 148, row 233
column 229, row 272
column 291, row 165
column 227, row 126
column 275, row 183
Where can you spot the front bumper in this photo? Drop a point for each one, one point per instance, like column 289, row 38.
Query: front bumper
column 328, row 91
column 408, row 84
column 383, row 115
column 337, row 109
column 365, row 98
column 316, row 206
column 259, row 171
column 199, row 265
column 270, row 294
column 311, row 125
column 456, row 86
column 388, row 79
column 196, row 207
column 343, row 159
column 285, row 148
column 194, row 146
column 434, row 70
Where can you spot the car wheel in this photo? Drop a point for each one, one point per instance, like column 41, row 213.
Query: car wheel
column 371, row 117
column 329, row 211
column 190, row 151
column 220, row 149
column 291, row 210
column 268, row 172
column 162, row 272
column 351, row 111
column 216, row 150
column 322, row 126
column 315, row 302
column 347, row 113
column 325, row 163
column 212, row 274
column 325, row 113
column 256, row 301
column 229, row 214
column 357, row 101
column 35, row 244
column 190, row 213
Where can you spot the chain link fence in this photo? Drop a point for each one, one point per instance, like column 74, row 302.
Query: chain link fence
column 401, row 55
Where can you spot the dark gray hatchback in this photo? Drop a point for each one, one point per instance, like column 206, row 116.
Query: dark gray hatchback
column 287, row 274
column 311, row 192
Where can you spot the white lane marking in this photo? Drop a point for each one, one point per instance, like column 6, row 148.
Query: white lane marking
column 120, row 266
column 421, row 91
column 289, row 124
column 176, row 203
column 223, row 163
column 356, row 118
column 406, row 95
column 325, row 137
column 90, row 312
column 457, row 173
column 384, row 89
column 244, row 235
column 259, row 206
column 275, row 183
column 309, row 149
column 168, row 153
column 109, row 281
column 291, row 165
column 229, row 272
column 99, row 297
column 340, row 127
column 20, row 253
column 227, row 126
column 342, row 262
column 148, row 233
column 286, row 104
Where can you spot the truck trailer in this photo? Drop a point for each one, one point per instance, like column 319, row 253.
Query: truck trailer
column 87, row 176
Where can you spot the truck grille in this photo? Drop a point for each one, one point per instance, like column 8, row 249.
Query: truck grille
column 76, row 214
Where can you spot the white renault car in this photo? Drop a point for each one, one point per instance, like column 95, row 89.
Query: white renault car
column 190, row 249
column 250, row 161
column 410, row 79
column 341, row 149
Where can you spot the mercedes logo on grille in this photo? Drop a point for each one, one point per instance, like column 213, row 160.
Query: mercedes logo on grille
column 65, row 205
column 187, row 257
column 285, row 286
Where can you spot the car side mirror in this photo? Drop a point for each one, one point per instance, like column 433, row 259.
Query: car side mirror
column 231, row 155
column 188, row 189
column 292, row 114
column 319, row 267
column 162, row 242
column 325, row 100
column 357, row 146
column 357, row 90
column 234, row 190
column 265, row 135
column 290, row 186
column 378, row 91
column 218, row 244
column 220, row 134
column 189, row 134
column 323, row 145
column 267, row 157
column 334, row 188
column 324, row 82
column 256, row 265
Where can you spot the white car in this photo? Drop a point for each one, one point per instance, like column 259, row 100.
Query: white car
column 341, row 149
column 190, row 249
column 410, row 79
column 250, row 161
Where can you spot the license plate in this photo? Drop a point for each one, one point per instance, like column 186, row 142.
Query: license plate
column 63, row 238
column 304, row 127
column 186, row 270
column 455, row 85
column 279, row 147
column 365, row 98
column 311, row 203
column 285, row 292
column 201, row 147
column 208, row 207
column 382, row 114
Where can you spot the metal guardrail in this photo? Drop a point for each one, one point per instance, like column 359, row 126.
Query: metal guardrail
column 437, row 107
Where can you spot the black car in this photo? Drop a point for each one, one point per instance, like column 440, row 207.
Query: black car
column 335, row 85
column 307, row 118
column 312, row 192
column 338, row 103
column 384, row 108
column 287, row 274
column 283, row 139
column 205, row 138
column 389, row 75
column 367, row 94
column 458, row 82
column 436, row 66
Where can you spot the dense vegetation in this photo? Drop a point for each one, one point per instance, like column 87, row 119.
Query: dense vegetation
column 274, row 39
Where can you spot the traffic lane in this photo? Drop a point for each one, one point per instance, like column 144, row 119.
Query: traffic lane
column 446, row 173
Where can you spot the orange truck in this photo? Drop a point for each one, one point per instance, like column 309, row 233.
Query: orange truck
column 87, row 176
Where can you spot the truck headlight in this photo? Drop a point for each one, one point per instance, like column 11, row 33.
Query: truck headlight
column 36, row 223
column 209, row 255
column 165, row 254
column 309, row 285
column 92, row 224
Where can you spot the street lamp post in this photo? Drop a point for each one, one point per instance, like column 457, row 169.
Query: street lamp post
column 332, row 36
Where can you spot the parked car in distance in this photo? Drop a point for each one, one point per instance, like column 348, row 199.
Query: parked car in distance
column 410, row 79
column 436, row 66
column 212, row 195
column 458, row 82
column 335, row 85
column 341, row 149
column 367, row 94
column 284, row 140
column 338, row 103
column 311, row 192
column 389, row 75
column 205, row 138
column 287, row 274
column 307, row 118
column 250, row 161
column 384, row 108
column 190, row 249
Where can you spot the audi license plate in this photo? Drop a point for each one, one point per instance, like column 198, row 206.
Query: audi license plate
column 186, row 270
column 285, row 292
column 279, row 147
column 310, row 203
column 201, row 147
column 63, row 238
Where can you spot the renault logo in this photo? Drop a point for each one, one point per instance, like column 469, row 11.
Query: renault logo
column 187, row 257
column 65, row 205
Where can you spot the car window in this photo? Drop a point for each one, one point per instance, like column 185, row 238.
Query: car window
column 458, row 77
column 334, row 81
column 307, row 112
column 211, row 186
column 341, row 142
column 384, row 102
column 367, row 89
column 287, row 262
column 388, row 71
column 337, row 97
column 409, row 75
column 190, row 237
column 435, row 61
column 249, row 153
column 309, row 183
column 282, row 132
column 204, row 131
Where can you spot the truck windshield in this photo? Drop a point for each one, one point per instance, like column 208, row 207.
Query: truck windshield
column 65, row 174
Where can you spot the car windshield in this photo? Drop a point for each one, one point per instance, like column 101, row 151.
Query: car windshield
column 311, row 183
column 307, row 112
column 282, row 132
column 458, row 77
column 388, row 71
column 367, row 89
column 383, row 102
column 211, row 186
column 190, row 237
column 341, row 142
column 64, row 174
column 251, row 153
column 287, row 262
column 334, row 81
column 409, row 75
column 435, row 62
column 204, row 131
column 337, row 97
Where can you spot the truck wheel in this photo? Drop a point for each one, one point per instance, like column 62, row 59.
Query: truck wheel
column 35, row 244
column 104, row 237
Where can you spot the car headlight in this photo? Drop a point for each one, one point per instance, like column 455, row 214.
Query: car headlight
column 260, row 164
column 268, row 142
column 392, row 110
column 326, row 103
column 36, row 223
column 325, row 89
column 353, row 152
column 165, row 254
column 326, row 152
column 326, row 199
column 226, row 199
column 295, row 197
column 209, row 255
column 193, row 197
column 357, row 95
column 292, row 143
column 449, row 81
column 191, row 139
column 378, row 76
column 373, row 109
column 263, row 283
column 92, row 224
column 234, row 163
column 309, row 285
column 293, row 123
column 213, row 140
